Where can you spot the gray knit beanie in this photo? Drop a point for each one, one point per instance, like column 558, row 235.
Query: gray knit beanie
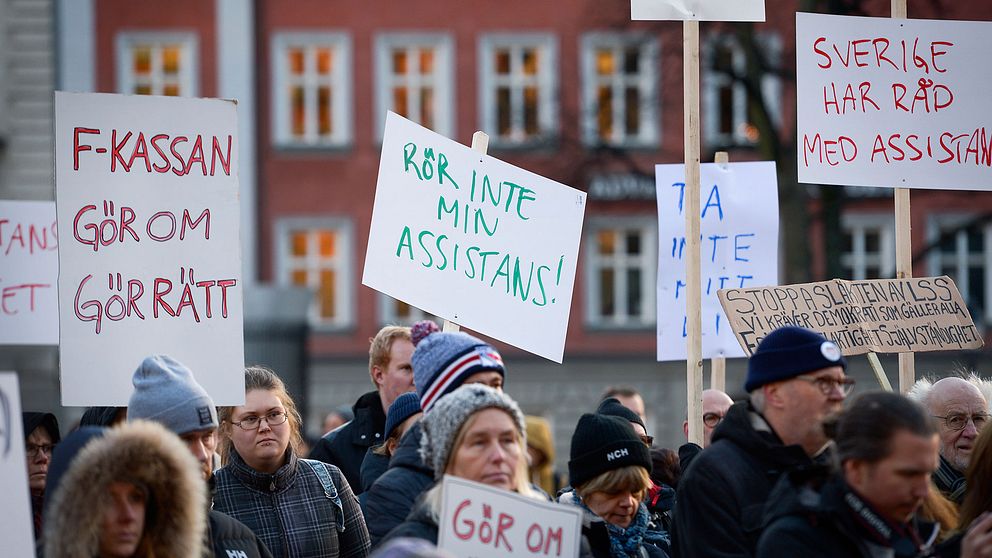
column 442, row 360
column 441, row 426
column 166, row 392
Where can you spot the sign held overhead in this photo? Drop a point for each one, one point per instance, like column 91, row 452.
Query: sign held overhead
column 150, row 254
column 893, row 102
column 879, row 315
column 473, row 240
column 704, row 10
column 29, row 270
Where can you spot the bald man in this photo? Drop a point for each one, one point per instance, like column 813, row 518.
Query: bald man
column 715, row 405
column 961, row 411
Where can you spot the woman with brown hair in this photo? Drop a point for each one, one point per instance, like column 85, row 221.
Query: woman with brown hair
column 976, row 509
column 297, row 507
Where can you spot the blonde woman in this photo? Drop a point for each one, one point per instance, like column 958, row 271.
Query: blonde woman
column 476, row 433
column 298, row 507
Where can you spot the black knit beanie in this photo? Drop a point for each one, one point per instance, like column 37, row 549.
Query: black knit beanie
column 611, row 406
column 603, row 443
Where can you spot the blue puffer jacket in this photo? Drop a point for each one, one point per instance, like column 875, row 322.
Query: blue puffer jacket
column 391, row 498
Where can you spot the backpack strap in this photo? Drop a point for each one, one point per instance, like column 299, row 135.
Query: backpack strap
column 330, row 491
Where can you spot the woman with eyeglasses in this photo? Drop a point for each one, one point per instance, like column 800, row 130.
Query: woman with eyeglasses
column 298, row 507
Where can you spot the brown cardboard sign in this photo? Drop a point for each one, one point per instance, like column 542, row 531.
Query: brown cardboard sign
column 880, row 315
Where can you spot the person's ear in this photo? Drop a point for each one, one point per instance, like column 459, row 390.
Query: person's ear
column 377, row 376
column 685, row 429
column 776, row 394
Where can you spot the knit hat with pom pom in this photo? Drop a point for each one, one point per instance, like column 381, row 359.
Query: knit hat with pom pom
column 443, row 359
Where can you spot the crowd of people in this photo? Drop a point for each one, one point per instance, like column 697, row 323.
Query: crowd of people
column 793, row 469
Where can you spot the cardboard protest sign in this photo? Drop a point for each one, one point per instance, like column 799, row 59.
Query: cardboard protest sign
column 879, row 315
column 484, row 522
column 893, row 102
column 473, row 239
column 16, row 528
column 705, row 10
column 29, row 270
column 739, row 248
column 150, row 258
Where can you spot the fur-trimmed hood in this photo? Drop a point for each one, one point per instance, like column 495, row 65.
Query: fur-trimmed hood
column 144, row 453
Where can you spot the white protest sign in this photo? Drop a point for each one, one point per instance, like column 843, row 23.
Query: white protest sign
column 738, row 247
column 893, row 102
column 150, row 259
column 704, row 10
column 481, row 521
column 473, row 239
column 16, row 528
column 29, row 270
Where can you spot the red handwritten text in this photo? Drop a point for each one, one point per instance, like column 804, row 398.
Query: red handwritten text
column 155, row 152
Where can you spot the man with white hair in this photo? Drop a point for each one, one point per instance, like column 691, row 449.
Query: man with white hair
column 961, row 410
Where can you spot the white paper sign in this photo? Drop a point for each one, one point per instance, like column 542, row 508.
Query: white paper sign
column 739, row 246
column 473, row 239
column 16, row 524
column 480, row 521
column 893, row 102
column 705, row 10
column 29, row 270
column 150, row 258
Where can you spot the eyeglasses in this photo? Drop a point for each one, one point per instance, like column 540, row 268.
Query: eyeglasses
column 33, row 451
column 274, row 418
column 648, row 440
column 828, row 385
column 959, row 422
column 712, row 419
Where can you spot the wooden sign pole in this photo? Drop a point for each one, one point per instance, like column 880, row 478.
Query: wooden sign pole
column 694, row 352
column 480, row 143
column 904, row 244
column 718, row 365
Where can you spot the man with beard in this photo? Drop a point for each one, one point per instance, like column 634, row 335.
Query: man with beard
column 795, row 382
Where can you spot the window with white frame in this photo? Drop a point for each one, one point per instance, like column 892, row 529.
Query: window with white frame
column 728, row 115
column 868, row 246
column 621, row 264
column 619, row 89
column 151, row 63
column 311, row 89
column 518, row 88
column 316, row 254
column 415, row 79
column 960, row 249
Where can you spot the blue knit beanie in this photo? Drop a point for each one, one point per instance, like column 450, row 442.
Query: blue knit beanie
column 788, row 352
column 404, row 407
column 442, row 360
column 166, row 392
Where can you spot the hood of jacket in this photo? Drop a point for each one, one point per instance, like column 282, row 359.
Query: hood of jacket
column 747, row 429
column 142, row 453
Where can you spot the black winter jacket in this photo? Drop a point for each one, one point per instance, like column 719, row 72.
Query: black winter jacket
column 718, row 510
column 392, row 497
column 345, row 446
column 420, row 524
column 807, row 516
column 229, row 537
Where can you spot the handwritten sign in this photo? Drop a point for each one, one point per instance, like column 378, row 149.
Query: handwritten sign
column 16, row 530
column 880, row 315
column 705, row 10
column 29, row 312
column 473, row 239
column 480, row 521
column 150, row 258
column 893, row 102
column 738, row 248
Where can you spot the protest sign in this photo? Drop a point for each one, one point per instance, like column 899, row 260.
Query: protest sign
column 739, row 248
column 28, row 273
column 893, row 102
column 150, row 258
column 16, row 529
column 473, row 239
column 879, row 315
column 704, row 10
column 481, row 521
